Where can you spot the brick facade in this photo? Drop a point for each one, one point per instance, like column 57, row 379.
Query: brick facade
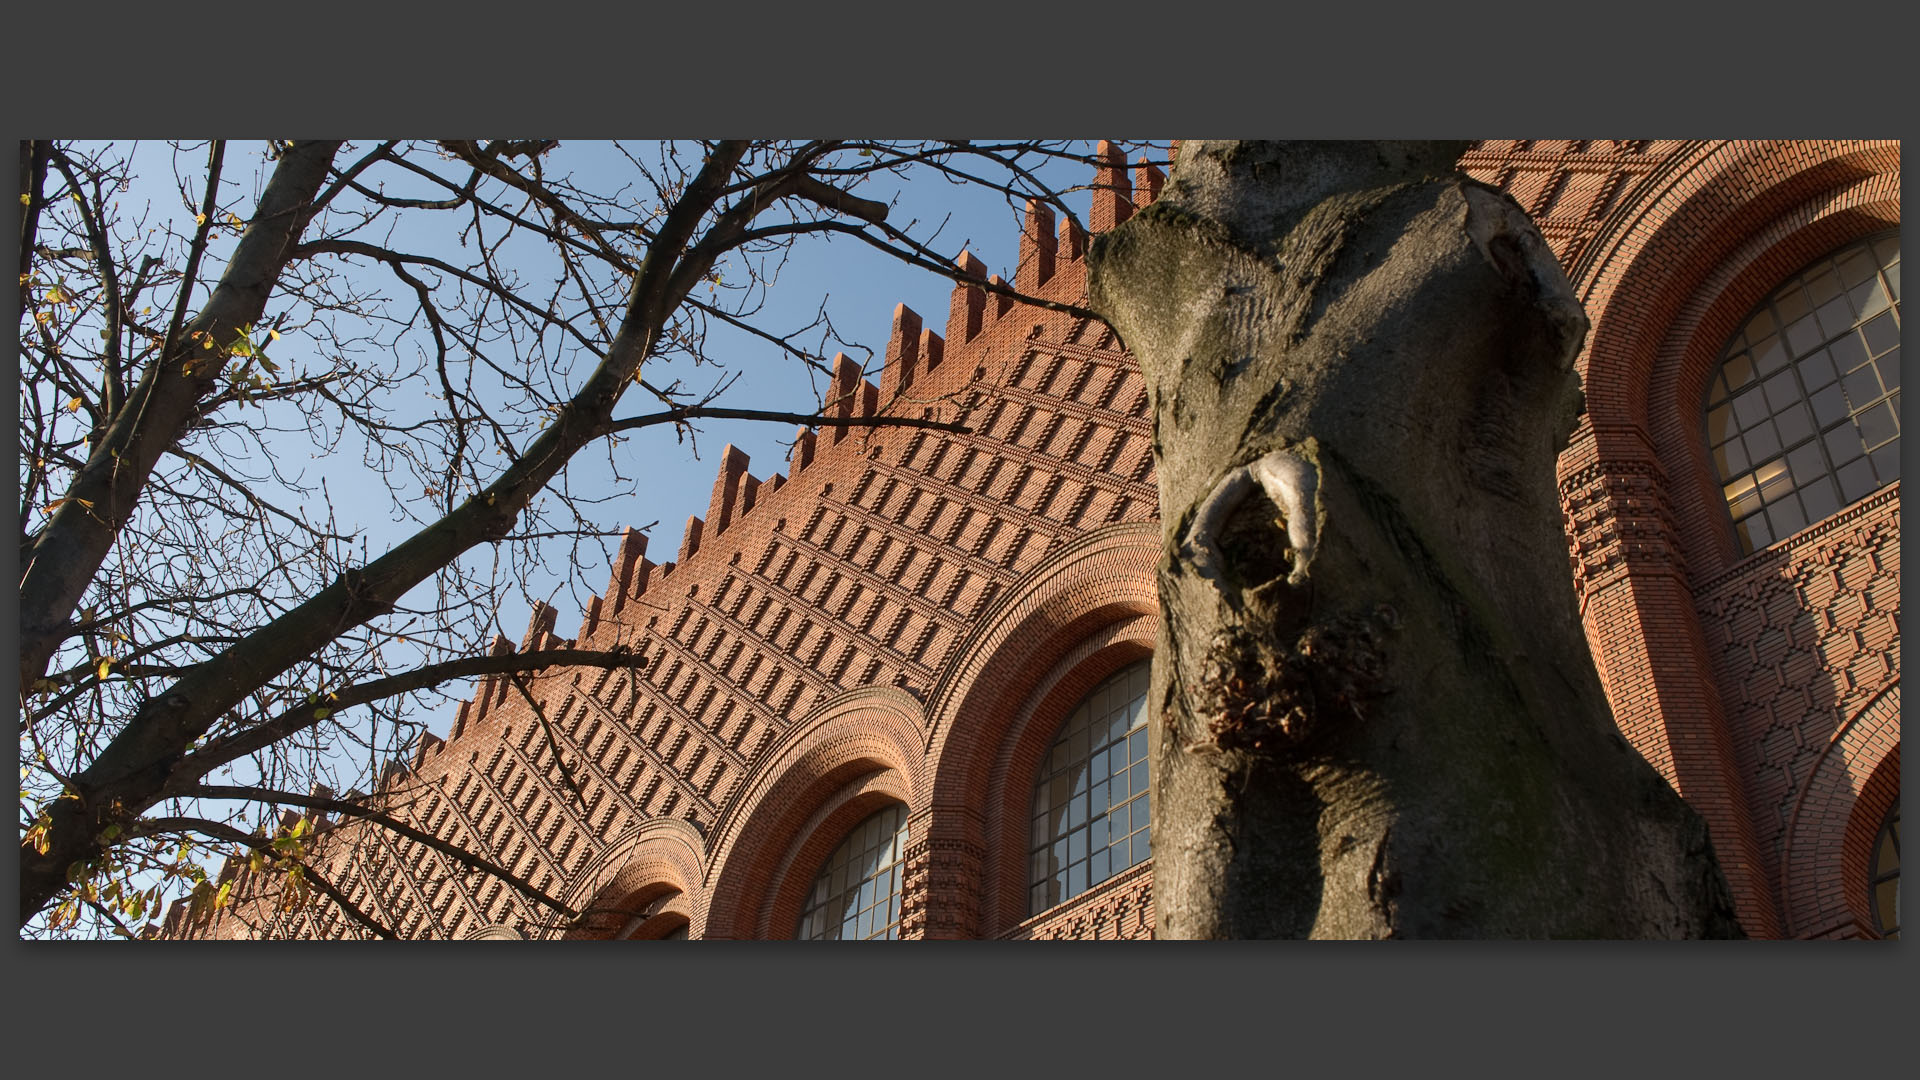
column 905, row 617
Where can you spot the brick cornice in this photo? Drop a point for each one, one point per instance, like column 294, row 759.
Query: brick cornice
column 1788, row 550
column 1118, row 909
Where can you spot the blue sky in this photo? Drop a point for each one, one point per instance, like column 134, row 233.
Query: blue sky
column 666, row 481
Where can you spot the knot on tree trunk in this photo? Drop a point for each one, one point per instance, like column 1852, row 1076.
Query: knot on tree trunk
column 1262, row 693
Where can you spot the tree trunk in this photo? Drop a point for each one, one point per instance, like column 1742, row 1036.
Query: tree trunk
column 1375, row 711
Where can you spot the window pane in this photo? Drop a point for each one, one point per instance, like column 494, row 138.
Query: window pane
column 1784, row 518
column 1862, row 386
column 1806, row 464
column 1794, row 424
column 1730, row 459
column 1750, row 408
column 1769, row 355
column 1884, row 875
column 1848, row 353
column 1886, row 462
column 1857, row 267
column 1817, row 371
column 1847, row 390
column 1829, row 405
column 1868, row 298
column 1857, row 480
column 1836, row 316
column 1823, row 287
column 1843, row 444
column 1720, row 426
column 1774, row 480
column 1075, row 850
column 1881, row 333
column 1791, row 303
column 1739, row 371
column 1803, row 336
column 857, row 892
column 1820, row 499
column 1877, row 424
column 1781, row 391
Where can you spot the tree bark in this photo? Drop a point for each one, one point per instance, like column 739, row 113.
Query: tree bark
column 1374, row 710
column 62, row 558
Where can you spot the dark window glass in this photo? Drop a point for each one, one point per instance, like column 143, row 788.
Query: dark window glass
column 1090, row 799
column 1837, row 401
column 1884, row 883
column 856, row 895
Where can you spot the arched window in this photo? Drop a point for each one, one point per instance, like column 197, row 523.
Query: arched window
column 856, row 895
column 1884, row 884
column 1803, row 416
column 1091, row 810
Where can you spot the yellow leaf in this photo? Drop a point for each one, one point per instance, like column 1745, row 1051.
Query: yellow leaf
column 26, row 200
column 199, row 219
column 274, row 334
column 74, row 405
column 106, row 665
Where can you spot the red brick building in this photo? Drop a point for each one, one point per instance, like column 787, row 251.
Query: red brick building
column 897, row 691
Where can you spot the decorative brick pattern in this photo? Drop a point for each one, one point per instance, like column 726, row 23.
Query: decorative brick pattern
column 1120, row 909
column 1802, row 637
column 905, row 616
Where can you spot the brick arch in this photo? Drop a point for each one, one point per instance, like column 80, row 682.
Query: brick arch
column 816, row 839
column 848, row 757
column 1849, row 790
column 657, row 858
column 1878, row 795
column 1690, row 352
column 1103, row 577
column 1657, row 251
column 993, row 689
column 1691, row 241
column 1030, row 735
